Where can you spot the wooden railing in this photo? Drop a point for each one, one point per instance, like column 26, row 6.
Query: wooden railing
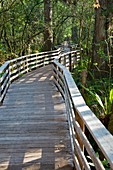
column 15, row 68
column 85, row 128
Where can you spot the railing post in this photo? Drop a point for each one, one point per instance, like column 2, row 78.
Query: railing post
column 0, row 91
column 75, row 58
column 27, row 64
column 82, row 126
column 60, row 60
column 81, row 54
column 4, row 81
column 59, row 55
column 65, row 60
column 18, row 67
column 9, row 73
column 70, row 68
column 36, row 60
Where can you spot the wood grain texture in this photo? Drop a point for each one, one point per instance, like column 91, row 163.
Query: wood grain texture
column 34, row 133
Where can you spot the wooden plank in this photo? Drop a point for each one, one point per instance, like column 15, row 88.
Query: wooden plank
column 32, row 116
column 38, row 166
column 18, row 133
column 29, row 146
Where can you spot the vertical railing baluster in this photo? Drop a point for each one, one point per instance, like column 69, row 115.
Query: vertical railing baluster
column 0, row 90
column 70, row 62
column 81, row 123
column 27, row 63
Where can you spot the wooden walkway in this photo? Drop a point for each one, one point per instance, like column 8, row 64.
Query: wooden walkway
column 34, row 133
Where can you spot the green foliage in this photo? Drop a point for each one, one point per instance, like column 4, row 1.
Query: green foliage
column 106, row 106
column 22, row 24
column 62, row 22
column 98, row 92
column 104, row 162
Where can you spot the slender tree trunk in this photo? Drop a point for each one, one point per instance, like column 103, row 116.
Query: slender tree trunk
column 13, row 31
column 81, row 26
column 48, row 33
column 109, row 27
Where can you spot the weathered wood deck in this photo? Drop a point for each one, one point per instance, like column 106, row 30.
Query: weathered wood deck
column 34, row 131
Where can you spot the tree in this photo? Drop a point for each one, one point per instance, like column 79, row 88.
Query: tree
column 48, row 32
column 102, row 41
column 21, row 27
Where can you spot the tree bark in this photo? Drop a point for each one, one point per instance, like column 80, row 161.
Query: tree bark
column 48, row 33
column 110, row 26
column 101, row 46
column 99, row 34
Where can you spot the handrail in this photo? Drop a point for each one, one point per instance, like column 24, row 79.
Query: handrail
column 82, row 121
column 15, row 68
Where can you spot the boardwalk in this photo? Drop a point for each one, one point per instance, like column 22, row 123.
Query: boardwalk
column 34, row 131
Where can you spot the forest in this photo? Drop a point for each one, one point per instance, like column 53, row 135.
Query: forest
column 41, row 25
column 37, row 25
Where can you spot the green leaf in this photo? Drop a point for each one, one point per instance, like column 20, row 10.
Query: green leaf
column 90, row 92
column 106, row 105
column 99, row 101
column 111, row 96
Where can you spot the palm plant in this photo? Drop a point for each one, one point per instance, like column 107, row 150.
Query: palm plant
column 106, row 105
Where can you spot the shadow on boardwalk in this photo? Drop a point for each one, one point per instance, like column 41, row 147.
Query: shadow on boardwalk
column 34, row 131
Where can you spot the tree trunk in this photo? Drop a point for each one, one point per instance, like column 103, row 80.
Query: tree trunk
column 101, row 46
column 102, row 40
column 99, row 35
column 110, row 30
column 48, row 33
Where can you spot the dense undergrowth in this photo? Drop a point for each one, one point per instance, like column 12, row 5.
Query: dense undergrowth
column 98, row 95
column 97, row 92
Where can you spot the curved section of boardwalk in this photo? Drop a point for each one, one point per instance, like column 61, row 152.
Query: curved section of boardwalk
column 34, row 132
